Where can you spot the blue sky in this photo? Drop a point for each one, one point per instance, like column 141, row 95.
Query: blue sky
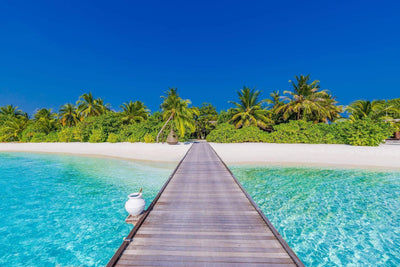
column 53, row 51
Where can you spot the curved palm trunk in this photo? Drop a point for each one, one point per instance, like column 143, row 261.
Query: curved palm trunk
column 162, row 129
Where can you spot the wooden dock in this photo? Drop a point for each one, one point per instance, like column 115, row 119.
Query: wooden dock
column 203, row 217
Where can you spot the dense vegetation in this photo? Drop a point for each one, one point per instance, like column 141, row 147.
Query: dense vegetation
column 306, row 114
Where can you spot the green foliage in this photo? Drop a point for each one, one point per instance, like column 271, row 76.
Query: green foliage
column 224, row 116
column 148, row 138
column 368, row 133
column 38, row 138
column 52, row 137
column 66, row 135
column 112, row 138
column 223, row 133
column 302, row 132
column 206, row 120
column 132, row 139
column 97, row 136
column 249, row 110
column 360, row 133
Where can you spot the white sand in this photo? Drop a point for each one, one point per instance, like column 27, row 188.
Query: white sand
column 135, row 151
column 384, row 156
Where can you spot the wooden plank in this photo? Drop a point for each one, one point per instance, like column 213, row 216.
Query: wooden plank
column 221, row 254
column 265, row 260
column 208, row 242
column 203, row 217
column 195, row 264
column 207, row 248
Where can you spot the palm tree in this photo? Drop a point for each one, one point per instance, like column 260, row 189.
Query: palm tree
column 104, row 108
column 45, row 120
column 376, row 110
column 249, row 110
column 177, row 109
column 88, row 106
column 11, row 111
column 275, row 102
column 68, row 115
column 134, row 112
column 12, row 128
column 44, row 114
column 307, row 102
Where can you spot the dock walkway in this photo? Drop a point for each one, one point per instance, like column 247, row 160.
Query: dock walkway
column 203, row 217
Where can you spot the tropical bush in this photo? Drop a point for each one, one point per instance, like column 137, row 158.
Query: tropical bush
column 360, row 133
column 97, row 136
column 112, row 138
column 368, row 133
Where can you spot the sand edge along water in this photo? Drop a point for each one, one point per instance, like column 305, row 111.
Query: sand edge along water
column 383, row 156
column 133, row 151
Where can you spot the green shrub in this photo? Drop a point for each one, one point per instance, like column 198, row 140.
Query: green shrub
column 96, row 136
column 223, row 133
column 52, row 137
column 360, row 133
column 112, row 138
column 38, row 138
column 368, row 133
column 66, row 135
column 250, row 134
column 148, row 138
column 132, row 139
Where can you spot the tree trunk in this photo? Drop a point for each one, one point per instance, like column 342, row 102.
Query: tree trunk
column 162, row 129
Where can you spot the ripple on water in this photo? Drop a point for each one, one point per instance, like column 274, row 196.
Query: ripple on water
column 330, row 217
column 59, row 210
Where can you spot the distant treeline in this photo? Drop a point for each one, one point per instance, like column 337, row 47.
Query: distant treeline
column 306, row 114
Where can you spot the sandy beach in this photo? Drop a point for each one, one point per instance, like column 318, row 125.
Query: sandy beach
column 134, row 151
column 384, row 156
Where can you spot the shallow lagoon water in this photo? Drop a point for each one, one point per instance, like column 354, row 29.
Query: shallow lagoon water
column 60, row 210
column 330, row 217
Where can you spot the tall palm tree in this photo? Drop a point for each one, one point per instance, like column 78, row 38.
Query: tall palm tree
column 89, row 106
column 134, row 112
column 69, row 115
column 249, row 110
column 375, row 110
column 11, row 111
column 177, row 110
column 308, row 102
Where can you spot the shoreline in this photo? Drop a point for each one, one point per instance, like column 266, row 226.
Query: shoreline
column 385, row 157
column 147, row 153
column 328, row 155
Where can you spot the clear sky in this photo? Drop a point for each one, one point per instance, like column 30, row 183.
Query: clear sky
column 53, row 51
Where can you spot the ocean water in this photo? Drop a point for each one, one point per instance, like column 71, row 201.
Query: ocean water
column 330, row 217
column 59, row 210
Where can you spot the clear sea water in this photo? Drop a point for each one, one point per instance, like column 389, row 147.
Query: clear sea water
column 59, row 210
column 330, row 217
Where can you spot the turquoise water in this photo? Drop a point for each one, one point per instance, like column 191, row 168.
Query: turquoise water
column 330, row 217
column 58, row 210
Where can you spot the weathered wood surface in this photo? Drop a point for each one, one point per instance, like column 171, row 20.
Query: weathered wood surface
column 203, row 217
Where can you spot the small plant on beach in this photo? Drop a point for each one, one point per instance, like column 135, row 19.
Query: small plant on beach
column 112, row 138
column 148, row 138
